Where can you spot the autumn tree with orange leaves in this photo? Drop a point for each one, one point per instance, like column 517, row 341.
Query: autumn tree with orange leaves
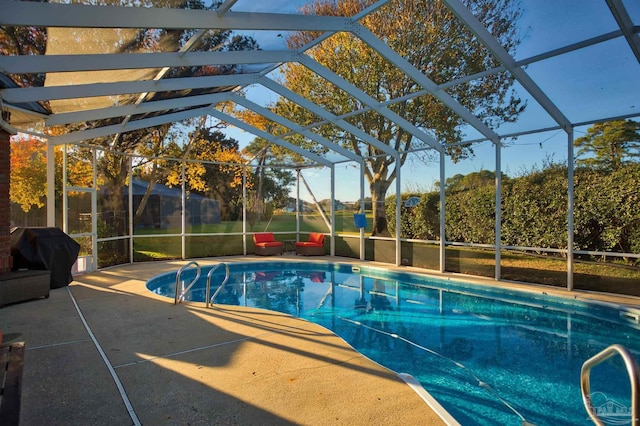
column 28, row 173
column 211, row 171
column 28, row 186
column 428, row 35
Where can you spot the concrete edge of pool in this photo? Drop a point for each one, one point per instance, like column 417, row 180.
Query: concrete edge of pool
column 187, row 364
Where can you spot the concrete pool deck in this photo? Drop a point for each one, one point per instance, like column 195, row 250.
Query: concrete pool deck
column 187, row 364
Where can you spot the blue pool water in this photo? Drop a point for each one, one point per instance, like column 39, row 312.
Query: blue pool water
column 489, row 356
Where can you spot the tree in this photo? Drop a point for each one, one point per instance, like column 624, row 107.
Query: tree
column 470, row 181
column 152, row 168
column 427, row 34
column 113, row 164
column 609, row 145
column 276, row 186
column 222, row 180
column 28, row 156
column 28, row 173
column 271, row 184
column 24, row 41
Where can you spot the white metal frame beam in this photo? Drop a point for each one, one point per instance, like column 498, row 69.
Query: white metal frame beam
column 623, row 19
column 31, row 94
column 168, row 118
column 485, row 37
column 133, row 109
column 225, row 7
column 188, row 46
column 358, row 94
column 26, row 64
column 268, row 136
column 267, row 113
column 417, row 76
column 130, row 126
column 88, row 16
column 323, row 113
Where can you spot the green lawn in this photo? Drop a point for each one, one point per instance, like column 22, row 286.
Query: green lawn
column 280, row 222
column 551, row 270
column 156, row 247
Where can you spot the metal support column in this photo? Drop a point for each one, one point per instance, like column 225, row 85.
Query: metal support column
column 332, row 231
column 570, row 206
column 398, row 212
column 51, row 185
column 130, row 164
column 443, row 241
column 498, row 209
column 244, row 210
column 184, row 215
column 65, row 199
column 94, row 211
column 362, row 207
column 297, row 205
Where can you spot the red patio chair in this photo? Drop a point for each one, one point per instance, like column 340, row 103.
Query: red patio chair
column 264, row 244
column 313, row 247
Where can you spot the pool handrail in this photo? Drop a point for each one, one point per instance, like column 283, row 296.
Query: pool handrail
column 180, row 298
column 634, row 376
column 209, row 302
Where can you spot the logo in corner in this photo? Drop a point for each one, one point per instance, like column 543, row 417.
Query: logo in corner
column 608, row 410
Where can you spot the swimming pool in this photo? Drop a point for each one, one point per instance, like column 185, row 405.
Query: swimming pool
column 489, row 356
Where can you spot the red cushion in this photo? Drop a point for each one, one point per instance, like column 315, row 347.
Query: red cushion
column 265, row 276
column 263, row 237
column 316, row 237
column 308, row 244
column 268, row 244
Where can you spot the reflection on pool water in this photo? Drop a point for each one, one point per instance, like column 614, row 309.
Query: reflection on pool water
column 489, row 356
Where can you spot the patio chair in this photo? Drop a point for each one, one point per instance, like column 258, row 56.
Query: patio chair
column 265, row 244
column 313, row 247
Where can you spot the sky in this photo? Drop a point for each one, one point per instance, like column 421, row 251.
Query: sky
column 598, row 81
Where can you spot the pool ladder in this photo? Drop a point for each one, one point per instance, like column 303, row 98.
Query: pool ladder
column 224, row 282
column 179, row 297
column 634, row 376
